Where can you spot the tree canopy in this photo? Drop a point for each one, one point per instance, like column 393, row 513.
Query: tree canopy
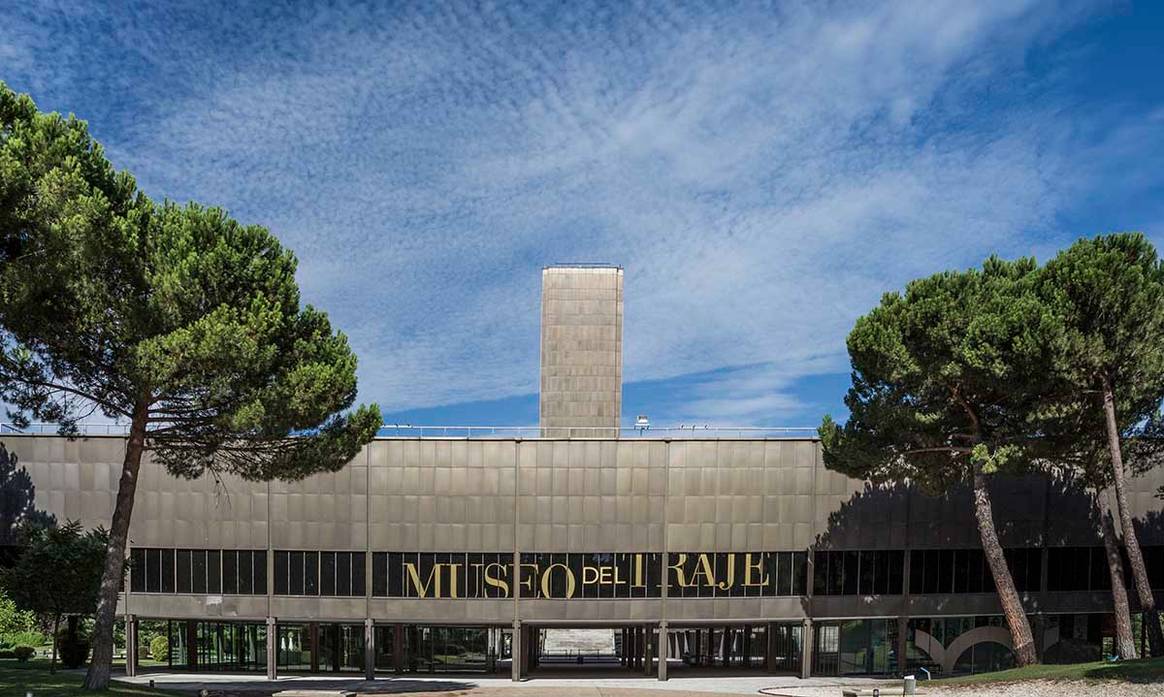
column 58, row 572
column 177, row 320
column 938, row 379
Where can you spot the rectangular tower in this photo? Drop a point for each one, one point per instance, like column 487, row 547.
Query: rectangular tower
column 581, row 382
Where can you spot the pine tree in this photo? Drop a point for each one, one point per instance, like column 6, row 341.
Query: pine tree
column 176, row 320
column 940, row 395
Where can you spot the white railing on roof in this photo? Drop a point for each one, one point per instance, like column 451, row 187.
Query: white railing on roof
column 654, row 432
column 500, row 432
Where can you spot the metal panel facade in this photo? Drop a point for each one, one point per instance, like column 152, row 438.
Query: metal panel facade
column 581, row 351
column 553, row 496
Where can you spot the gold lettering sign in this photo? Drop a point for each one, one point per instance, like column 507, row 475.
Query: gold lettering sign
column 589, row 575
column 546, row 580
column 433, row 582
column 749, row 567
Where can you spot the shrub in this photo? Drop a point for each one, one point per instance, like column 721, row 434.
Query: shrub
column 23, row 653
column 160, row 649
column 25, row 638
column 7, row 653
column 74, row 651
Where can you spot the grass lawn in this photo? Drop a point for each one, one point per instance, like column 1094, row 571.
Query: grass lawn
column 17, row 679
column 1144, row 670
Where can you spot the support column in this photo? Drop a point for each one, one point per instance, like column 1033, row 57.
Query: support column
column 698, row 646
column 664, row 649
column 902, row 644
column 515, row 650
column 369, row 649
column 130, row 645
column 622, row 647
column 313, row 645
column 272, row 649
column 1039, row 629
column 648, row 649
column 806, row 649
column 398, row 648
column 192, row 644
column 770, row 648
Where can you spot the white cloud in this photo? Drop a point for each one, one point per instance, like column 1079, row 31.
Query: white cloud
column 762, row 175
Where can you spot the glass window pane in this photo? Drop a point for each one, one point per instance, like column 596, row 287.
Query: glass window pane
column 137, row 572
column 260, row 569
column 198, row 570
column 213, row 571
column 182, row 570
column 167, row 567
column 380, row 580
column 282, row 577
column 153, row 564
column 327, row 573
column 229, row 571
column 311, row 573
column 295, row 573
column 246, row 572
column 358, row 574
column 343, row 573
column 800, row 573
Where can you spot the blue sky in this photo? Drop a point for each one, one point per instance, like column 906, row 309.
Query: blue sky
column 762, row 171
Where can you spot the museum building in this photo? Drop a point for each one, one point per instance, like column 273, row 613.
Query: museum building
column 578, row 544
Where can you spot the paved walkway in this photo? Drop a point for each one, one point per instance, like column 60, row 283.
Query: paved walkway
column 500, row 686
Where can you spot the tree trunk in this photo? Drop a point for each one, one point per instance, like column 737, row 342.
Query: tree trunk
column 97, row 678
column 1012, row 607
column 56, row 628
column 1131, row 542
column 1125, row 641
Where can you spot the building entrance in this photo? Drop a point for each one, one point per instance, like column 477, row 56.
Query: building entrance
column 764, row 647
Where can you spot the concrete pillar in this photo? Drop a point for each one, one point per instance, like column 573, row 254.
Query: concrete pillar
column 806, row 649
column 770, row 648
column 398, row 647
column 313, row 645
column 902, row 644
column 648, row 649
column 192, row 644
column 272, row 649
column 515, row 649
column 130, row 645
column 369, row 649
column 1039, row 630
column 664, row 649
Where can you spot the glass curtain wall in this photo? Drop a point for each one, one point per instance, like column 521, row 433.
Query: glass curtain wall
column 438, row 649
column 979, row 658
column 232, row 646
column 293, row 651
column 341, row 647
column 856, row 647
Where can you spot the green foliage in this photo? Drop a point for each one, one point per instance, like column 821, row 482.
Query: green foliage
column 23, row 653
column 941, row 379
column 74, row 650
column 28, row 637
column 1107, row 293
column 160, row 649
column 13, row 619
column 59, row 570
column 176, row 318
